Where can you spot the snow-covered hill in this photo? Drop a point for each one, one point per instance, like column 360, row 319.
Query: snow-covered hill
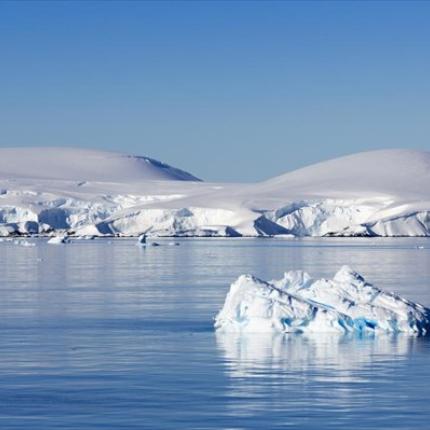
column 371, row 193
column 74, row 164
column 396, row 171
column 48, row 190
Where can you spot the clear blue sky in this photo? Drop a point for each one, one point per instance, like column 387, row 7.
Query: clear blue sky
column 227, row 90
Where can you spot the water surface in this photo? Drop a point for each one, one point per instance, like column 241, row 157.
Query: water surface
column 104, row 335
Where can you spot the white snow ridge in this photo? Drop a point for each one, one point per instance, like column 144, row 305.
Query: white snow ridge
column 299, row 304
column 85, row 192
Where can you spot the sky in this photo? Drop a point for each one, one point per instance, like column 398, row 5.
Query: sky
column 229, row 91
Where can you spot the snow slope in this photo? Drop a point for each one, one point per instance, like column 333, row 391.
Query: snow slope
column 392, row 172
column 298, row 303
column 372, row 193
column 74, row 164
column 75, row 191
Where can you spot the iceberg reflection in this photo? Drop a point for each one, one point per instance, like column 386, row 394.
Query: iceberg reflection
column 318, row 375
column 247, row 355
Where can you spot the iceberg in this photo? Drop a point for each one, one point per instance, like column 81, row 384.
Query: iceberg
column 58, row 240
column 297, row 303
column 141, row 240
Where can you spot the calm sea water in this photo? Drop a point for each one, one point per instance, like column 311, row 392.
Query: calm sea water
column 104, row 335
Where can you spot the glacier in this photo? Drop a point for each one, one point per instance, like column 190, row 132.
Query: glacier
column 77, row 192
column 297, row 303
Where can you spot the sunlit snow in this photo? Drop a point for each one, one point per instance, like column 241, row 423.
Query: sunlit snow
column 94, row 193
column 299, row 303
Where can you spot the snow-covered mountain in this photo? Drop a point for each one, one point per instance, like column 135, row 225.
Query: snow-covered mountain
column 377, row 193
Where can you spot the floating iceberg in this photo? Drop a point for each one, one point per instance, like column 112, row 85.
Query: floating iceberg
column 58, row 240
column 298, row 303
column 141, row 240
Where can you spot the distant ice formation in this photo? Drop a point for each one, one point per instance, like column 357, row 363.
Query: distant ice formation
column 24, row 243
column 58, row 240
column 95, row 193
column 141, row 240
column 299, row 304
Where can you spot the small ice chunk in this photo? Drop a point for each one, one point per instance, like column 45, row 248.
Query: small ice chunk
column 58, row 240
column 141, row 240
column 85, row 237
column 24, row 243
column 299, row 303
